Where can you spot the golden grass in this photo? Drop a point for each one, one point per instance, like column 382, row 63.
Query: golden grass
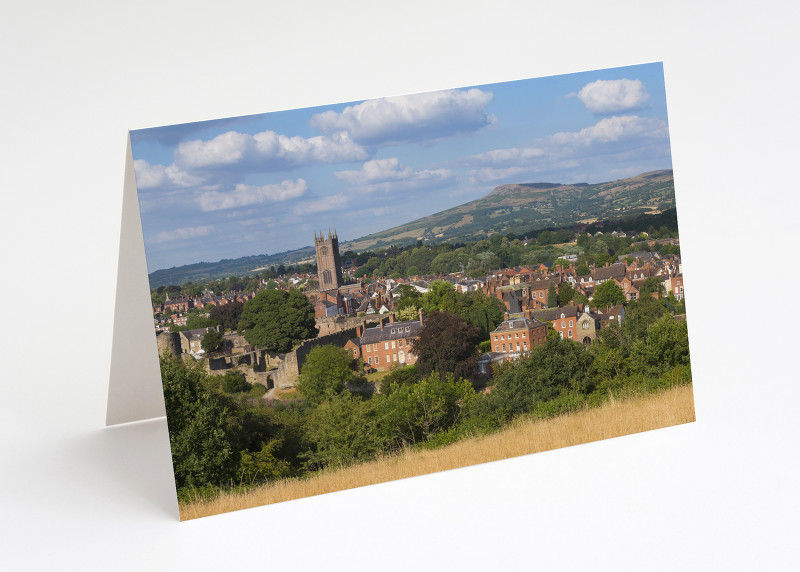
column 613, row 419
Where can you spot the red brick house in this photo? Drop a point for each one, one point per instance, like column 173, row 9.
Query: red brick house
column 516, row 336
column 388, row 344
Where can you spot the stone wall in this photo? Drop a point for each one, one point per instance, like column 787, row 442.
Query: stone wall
column 288, row 371
column 332, row 324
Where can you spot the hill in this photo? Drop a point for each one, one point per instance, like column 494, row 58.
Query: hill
column 513, row 208
column 520, row 208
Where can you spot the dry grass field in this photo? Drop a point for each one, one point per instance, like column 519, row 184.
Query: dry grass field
column 613, row 419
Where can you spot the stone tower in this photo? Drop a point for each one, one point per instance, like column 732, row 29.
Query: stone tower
column 329, row 265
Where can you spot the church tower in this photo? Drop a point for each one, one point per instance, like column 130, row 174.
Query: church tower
column 329, row 265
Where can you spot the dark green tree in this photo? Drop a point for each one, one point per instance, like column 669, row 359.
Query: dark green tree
column 276, row 320
column 227, row 315
column 447, row 344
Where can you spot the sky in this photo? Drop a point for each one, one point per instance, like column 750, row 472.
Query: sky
column 263, row 184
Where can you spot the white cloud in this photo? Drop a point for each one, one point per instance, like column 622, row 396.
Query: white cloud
column 180, row 234
column 335, row 202
column 389, row 175
column 267, row 151
column 613, row 96
column 630, row 136
column 152, row 176
column 613, row 129
column 410, row 118
column 244, row 195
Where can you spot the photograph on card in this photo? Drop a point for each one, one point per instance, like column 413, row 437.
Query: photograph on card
column 355, row 293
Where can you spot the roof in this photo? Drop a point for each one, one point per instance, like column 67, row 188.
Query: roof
column 607, row 272
column 395, row 331
column 519, row 324
column 553, row 314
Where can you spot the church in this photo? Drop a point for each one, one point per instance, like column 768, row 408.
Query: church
column 329, row 265
column 334, row 296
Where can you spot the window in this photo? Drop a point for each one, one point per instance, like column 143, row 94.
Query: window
column 516, row 334
column 394, row 357
column 541, row 294
column 497, row 348
column 386, row 345
column 369, row 360
column 495, row 338
column 571, row 323
column 586, row 324
column 408, row 328
column 375, row 347
column 524, row 345
column 377, row 360
column 369, row 348
column 504, row 347
column 517, row 346
column 355, row 353
column 563, row 324
column 569, row 333
column 523, row 334
column 393, row 330
column 393, row 345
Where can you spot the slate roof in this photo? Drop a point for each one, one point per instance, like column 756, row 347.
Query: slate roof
column 608, row 272
column 518, row 324
column 407, row 329
column 553, row 314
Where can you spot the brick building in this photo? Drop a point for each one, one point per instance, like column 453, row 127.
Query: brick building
column 388, row 344
column 516, row 336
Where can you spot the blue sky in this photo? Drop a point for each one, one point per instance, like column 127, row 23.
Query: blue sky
column 263, row 184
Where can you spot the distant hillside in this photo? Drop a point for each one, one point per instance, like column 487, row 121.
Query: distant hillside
column 204, row 271
column 517, row 208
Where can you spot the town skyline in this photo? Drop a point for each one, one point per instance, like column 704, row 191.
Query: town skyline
column 248, row 185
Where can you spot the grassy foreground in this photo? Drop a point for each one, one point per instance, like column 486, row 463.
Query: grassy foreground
column 613, row 419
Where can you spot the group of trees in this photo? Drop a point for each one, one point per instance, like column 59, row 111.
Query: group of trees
column 483, row 312
column 221, row 436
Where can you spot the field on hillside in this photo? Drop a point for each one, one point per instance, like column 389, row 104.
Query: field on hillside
column 670, row 407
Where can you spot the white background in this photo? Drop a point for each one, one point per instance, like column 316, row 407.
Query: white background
column 719, row 494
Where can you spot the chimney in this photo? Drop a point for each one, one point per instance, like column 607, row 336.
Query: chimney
column 391, row 318
column 381, row 324
column 505, row 316
column 359, row 331
column 421, row 319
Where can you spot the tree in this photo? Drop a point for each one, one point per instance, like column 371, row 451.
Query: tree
column 549, row 369
column 227, row 315
column 416, row 412
column 609, row 293
column 342, row 430
column 202, row 426
column 213, row 341
column 276, row 320
column 447, row 344
column 650, row 286
column 327, row 370
column 552, row 296
column 565, row 294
